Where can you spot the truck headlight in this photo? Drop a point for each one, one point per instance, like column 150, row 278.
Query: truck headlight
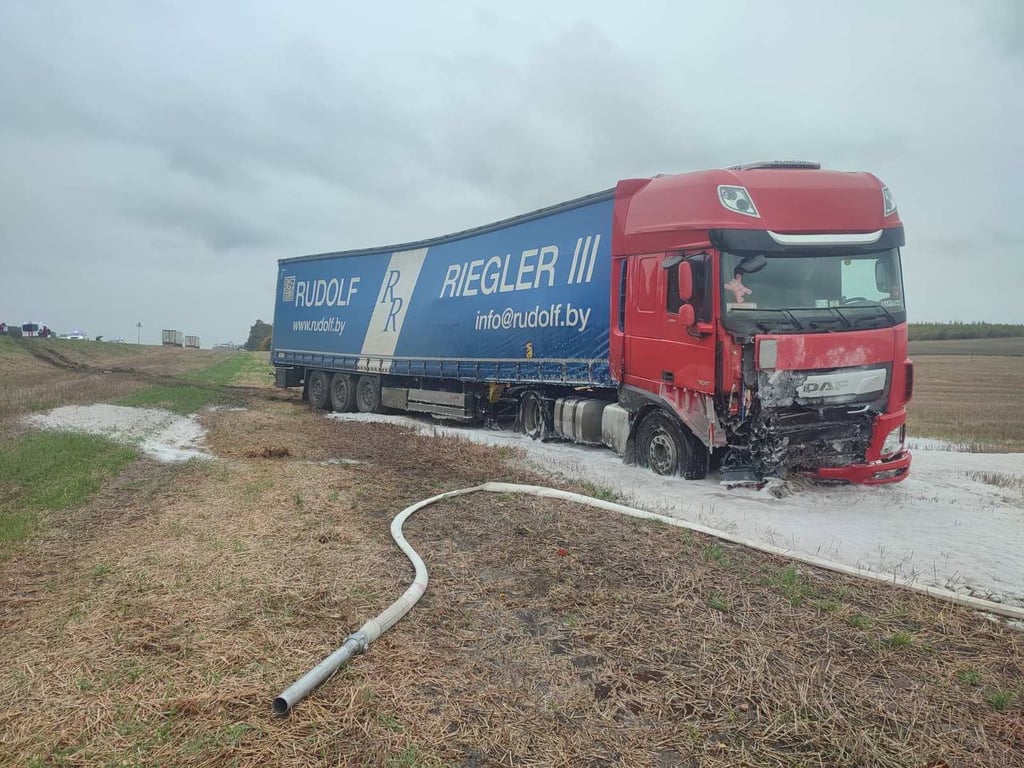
column 737, row 199
column 894, row 441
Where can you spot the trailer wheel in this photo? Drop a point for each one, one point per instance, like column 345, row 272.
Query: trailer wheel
column 368, row 394
column 343, row 393
column 536, row 416
column 668, row 450
column 319, row 389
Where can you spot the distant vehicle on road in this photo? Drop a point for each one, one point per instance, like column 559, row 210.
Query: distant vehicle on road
column 76, row 335
column 173, row 338
column 36, row 330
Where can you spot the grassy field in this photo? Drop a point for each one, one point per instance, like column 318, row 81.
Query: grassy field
column 41, row 374
column 50, row 472
column 43, row 474
column 246, row 369
column 184, row 397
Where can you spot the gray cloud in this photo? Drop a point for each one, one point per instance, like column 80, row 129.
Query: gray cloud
column 156, row 159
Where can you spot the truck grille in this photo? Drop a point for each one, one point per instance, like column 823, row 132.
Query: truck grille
column 807, row 438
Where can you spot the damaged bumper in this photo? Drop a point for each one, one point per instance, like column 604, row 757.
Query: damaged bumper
column 838, row 445
column 875, row 468
column 875, row 473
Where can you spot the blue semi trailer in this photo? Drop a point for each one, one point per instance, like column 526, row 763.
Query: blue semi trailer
column 460, row 327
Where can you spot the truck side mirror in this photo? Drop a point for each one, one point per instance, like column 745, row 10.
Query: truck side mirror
column 684, row 281
column 751, row 264
column 883, row 280
column 687, row 317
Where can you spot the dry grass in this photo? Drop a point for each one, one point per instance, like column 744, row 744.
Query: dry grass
column 72, row 372
column 978, row 402
column 41, row 374
column 155, row 625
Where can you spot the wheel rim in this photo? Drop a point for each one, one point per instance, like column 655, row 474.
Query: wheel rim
column 662, row 454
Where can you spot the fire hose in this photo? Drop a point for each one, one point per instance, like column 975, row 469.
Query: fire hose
column 359, row 641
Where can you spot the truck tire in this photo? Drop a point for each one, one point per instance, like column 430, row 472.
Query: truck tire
column 368, row 395
column 319, row 389
column 343, row 393
column 536, row 416
column 669, row 450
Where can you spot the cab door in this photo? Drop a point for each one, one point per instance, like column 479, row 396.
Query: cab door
column 662, row 353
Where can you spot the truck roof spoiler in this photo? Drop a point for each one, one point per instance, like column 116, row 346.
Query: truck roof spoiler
column 808, row 165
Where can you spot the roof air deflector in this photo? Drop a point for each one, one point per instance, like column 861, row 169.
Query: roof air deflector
column 807, row 165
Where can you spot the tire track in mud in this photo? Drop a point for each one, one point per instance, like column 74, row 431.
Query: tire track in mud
column 54, row 358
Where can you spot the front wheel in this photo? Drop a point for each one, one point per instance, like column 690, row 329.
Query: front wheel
column 667, row 450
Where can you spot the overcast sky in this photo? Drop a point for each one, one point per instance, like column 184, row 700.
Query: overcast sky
column 157, row 158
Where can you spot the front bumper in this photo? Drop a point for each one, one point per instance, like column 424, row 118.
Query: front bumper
column 889, row 471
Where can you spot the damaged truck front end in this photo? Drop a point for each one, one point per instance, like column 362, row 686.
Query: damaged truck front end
column 821, row 378
column 831, row 425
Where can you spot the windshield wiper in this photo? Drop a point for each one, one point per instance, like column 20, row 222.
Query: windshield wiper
column 841, row 316
column 792, row 317
column 814, row 324
column 764, row 327
column 873, row 305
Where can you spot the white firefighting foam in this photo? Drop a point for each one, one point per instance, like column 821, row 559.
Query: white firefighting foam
column 956, row 522
column 160, row 434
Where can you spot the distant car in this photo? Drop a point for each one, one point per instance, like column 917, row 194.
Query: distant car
column 116, row 340
column 76, row 335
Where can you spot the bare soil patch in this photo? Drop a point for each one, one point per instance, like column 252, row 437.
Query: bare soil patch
column 159, row 622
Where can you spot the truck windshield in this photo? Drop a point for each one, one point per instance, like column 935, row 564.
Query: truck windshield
column 812, row 293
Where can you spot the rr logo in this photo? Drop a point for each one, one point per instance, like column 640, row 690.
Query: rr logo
column 529, row 350
column 388, row 295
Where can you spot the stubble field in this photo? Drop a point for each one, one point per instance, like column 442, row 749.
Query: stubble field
column 977, row 402
column 152, row 620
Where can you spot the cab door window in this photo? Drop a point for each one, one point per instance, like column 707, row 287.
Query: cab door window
column 700, row 266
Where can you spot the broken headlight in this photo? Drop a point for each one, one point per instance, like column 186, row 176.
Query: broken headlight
column 894, row 442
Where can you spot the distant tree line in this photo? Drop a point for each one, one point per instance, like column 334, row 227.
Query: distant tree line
column 955, row 330
column 259, row 337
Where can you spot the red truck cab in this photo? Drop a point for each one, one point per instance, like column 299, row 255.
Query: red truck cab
column 764, row 305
